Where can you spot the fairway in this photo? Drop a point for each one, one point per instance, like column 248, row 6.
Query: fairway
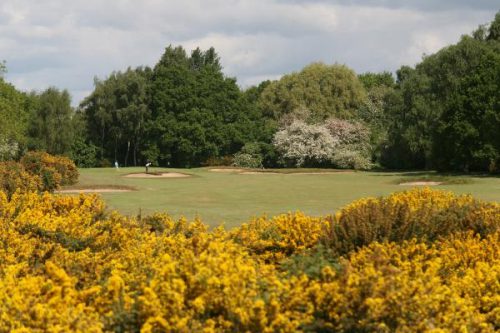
column 233, row 197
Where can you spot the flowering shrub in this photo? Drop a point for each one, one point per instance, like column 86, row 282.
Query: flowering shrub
column 9, row 149
column 274, row 239
column 424, row 214
column 54, row 170
column 14, row 177
column 345, row 144
column 67, row 265
column 300, row 143
column 354, row 149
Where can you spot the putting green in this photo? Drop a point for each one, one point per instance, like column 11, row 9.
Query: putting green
column 236, row 196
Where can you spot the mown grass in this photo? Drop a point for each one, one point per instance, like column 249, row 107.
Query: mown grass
column 444, row 180
column 232, row 198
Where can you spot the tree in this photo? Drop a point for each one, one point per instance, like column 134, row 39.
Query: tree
column 14, row 108
column 325, row 90
column 467, row 135
column 301, row 144
column 353, row 149
column 3, row 68
column 197, row 112
column 413, row 113
column 446, row 111
column 50, row 126
column 380, row 87
column 372, row 80
column 494, row 29
column 116, row 114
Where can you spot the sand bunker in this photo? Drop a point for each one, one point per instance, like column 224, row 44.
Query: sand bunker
column 94, row 190
column 157, row 175
column 421, row 184
column 227, row 170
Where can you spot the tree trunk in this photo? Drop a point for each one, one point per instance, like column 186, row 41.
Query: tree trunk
column 102, row 143
column 126, row 154
column 134, row 152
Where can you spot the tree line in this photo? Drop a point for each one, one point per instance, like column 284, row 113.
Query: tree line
column 443, row 113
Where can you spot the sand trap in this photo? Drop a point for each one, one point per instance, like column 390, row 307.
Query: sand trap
column 421, row 184
column 227, row 170
column 94, row 190
column 156, row 175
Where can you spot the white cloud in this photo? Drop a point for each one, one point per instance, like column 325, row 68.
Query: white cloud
column 67, row 43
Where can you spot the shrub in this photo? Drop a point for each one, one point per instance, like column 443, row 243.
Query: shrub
column 219, row 161
column 249, row 156
column 450, row 286
column 423, row 214
column 9, row 149
column 67, row 265
column 350, row 159
column 279, row 237
column 353, row 150
column 53, row 170
column 84, row 154
column 301, row 143
column 13, row 177
column 247, row 161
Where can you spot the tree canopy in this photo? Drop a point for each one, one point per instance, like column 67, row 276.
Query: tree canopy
column 443, row 113
column 324, row 90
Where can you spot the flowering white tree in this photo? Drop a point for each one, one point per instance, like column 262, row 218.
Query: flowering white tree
column 346, row 144
column 300, row 142
column 8, row 149
column 354, row 149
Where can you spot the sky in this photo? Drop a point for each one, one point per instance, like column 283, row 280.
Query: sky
column 66, row 44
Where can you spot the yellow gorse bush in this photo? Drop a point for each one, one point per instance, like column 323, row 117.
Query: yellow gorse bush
column 274, row 239
column 424, row 214
column 68, row 265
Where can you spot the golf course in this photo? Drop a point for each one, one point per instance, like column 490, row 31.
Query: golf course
column 234, row 196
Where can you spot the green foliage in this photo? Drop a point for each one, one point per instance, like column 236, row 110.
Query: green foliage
column 380, row 87
column 249, row 156
column 84, row 154
column 414, row 114
column 494, row 29
column 325, row 90
column 197, row 112
column 50, row 127
column 116, row 113
column 13, row 119
column 3, row 68
column 446, row 112
column 54, row 171
column 467, row 135
column 372, row 80
column 310, row 262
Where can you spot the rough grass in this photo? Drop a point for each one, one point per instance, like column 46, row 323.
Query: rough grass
column 233, row 198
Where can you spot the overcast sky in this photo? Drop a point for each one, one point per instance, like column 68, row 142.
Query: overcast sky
column 66, row 43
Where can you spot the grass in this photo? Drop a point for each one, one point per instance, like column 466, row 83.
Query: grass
column 444, row 180
column 233, row 198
